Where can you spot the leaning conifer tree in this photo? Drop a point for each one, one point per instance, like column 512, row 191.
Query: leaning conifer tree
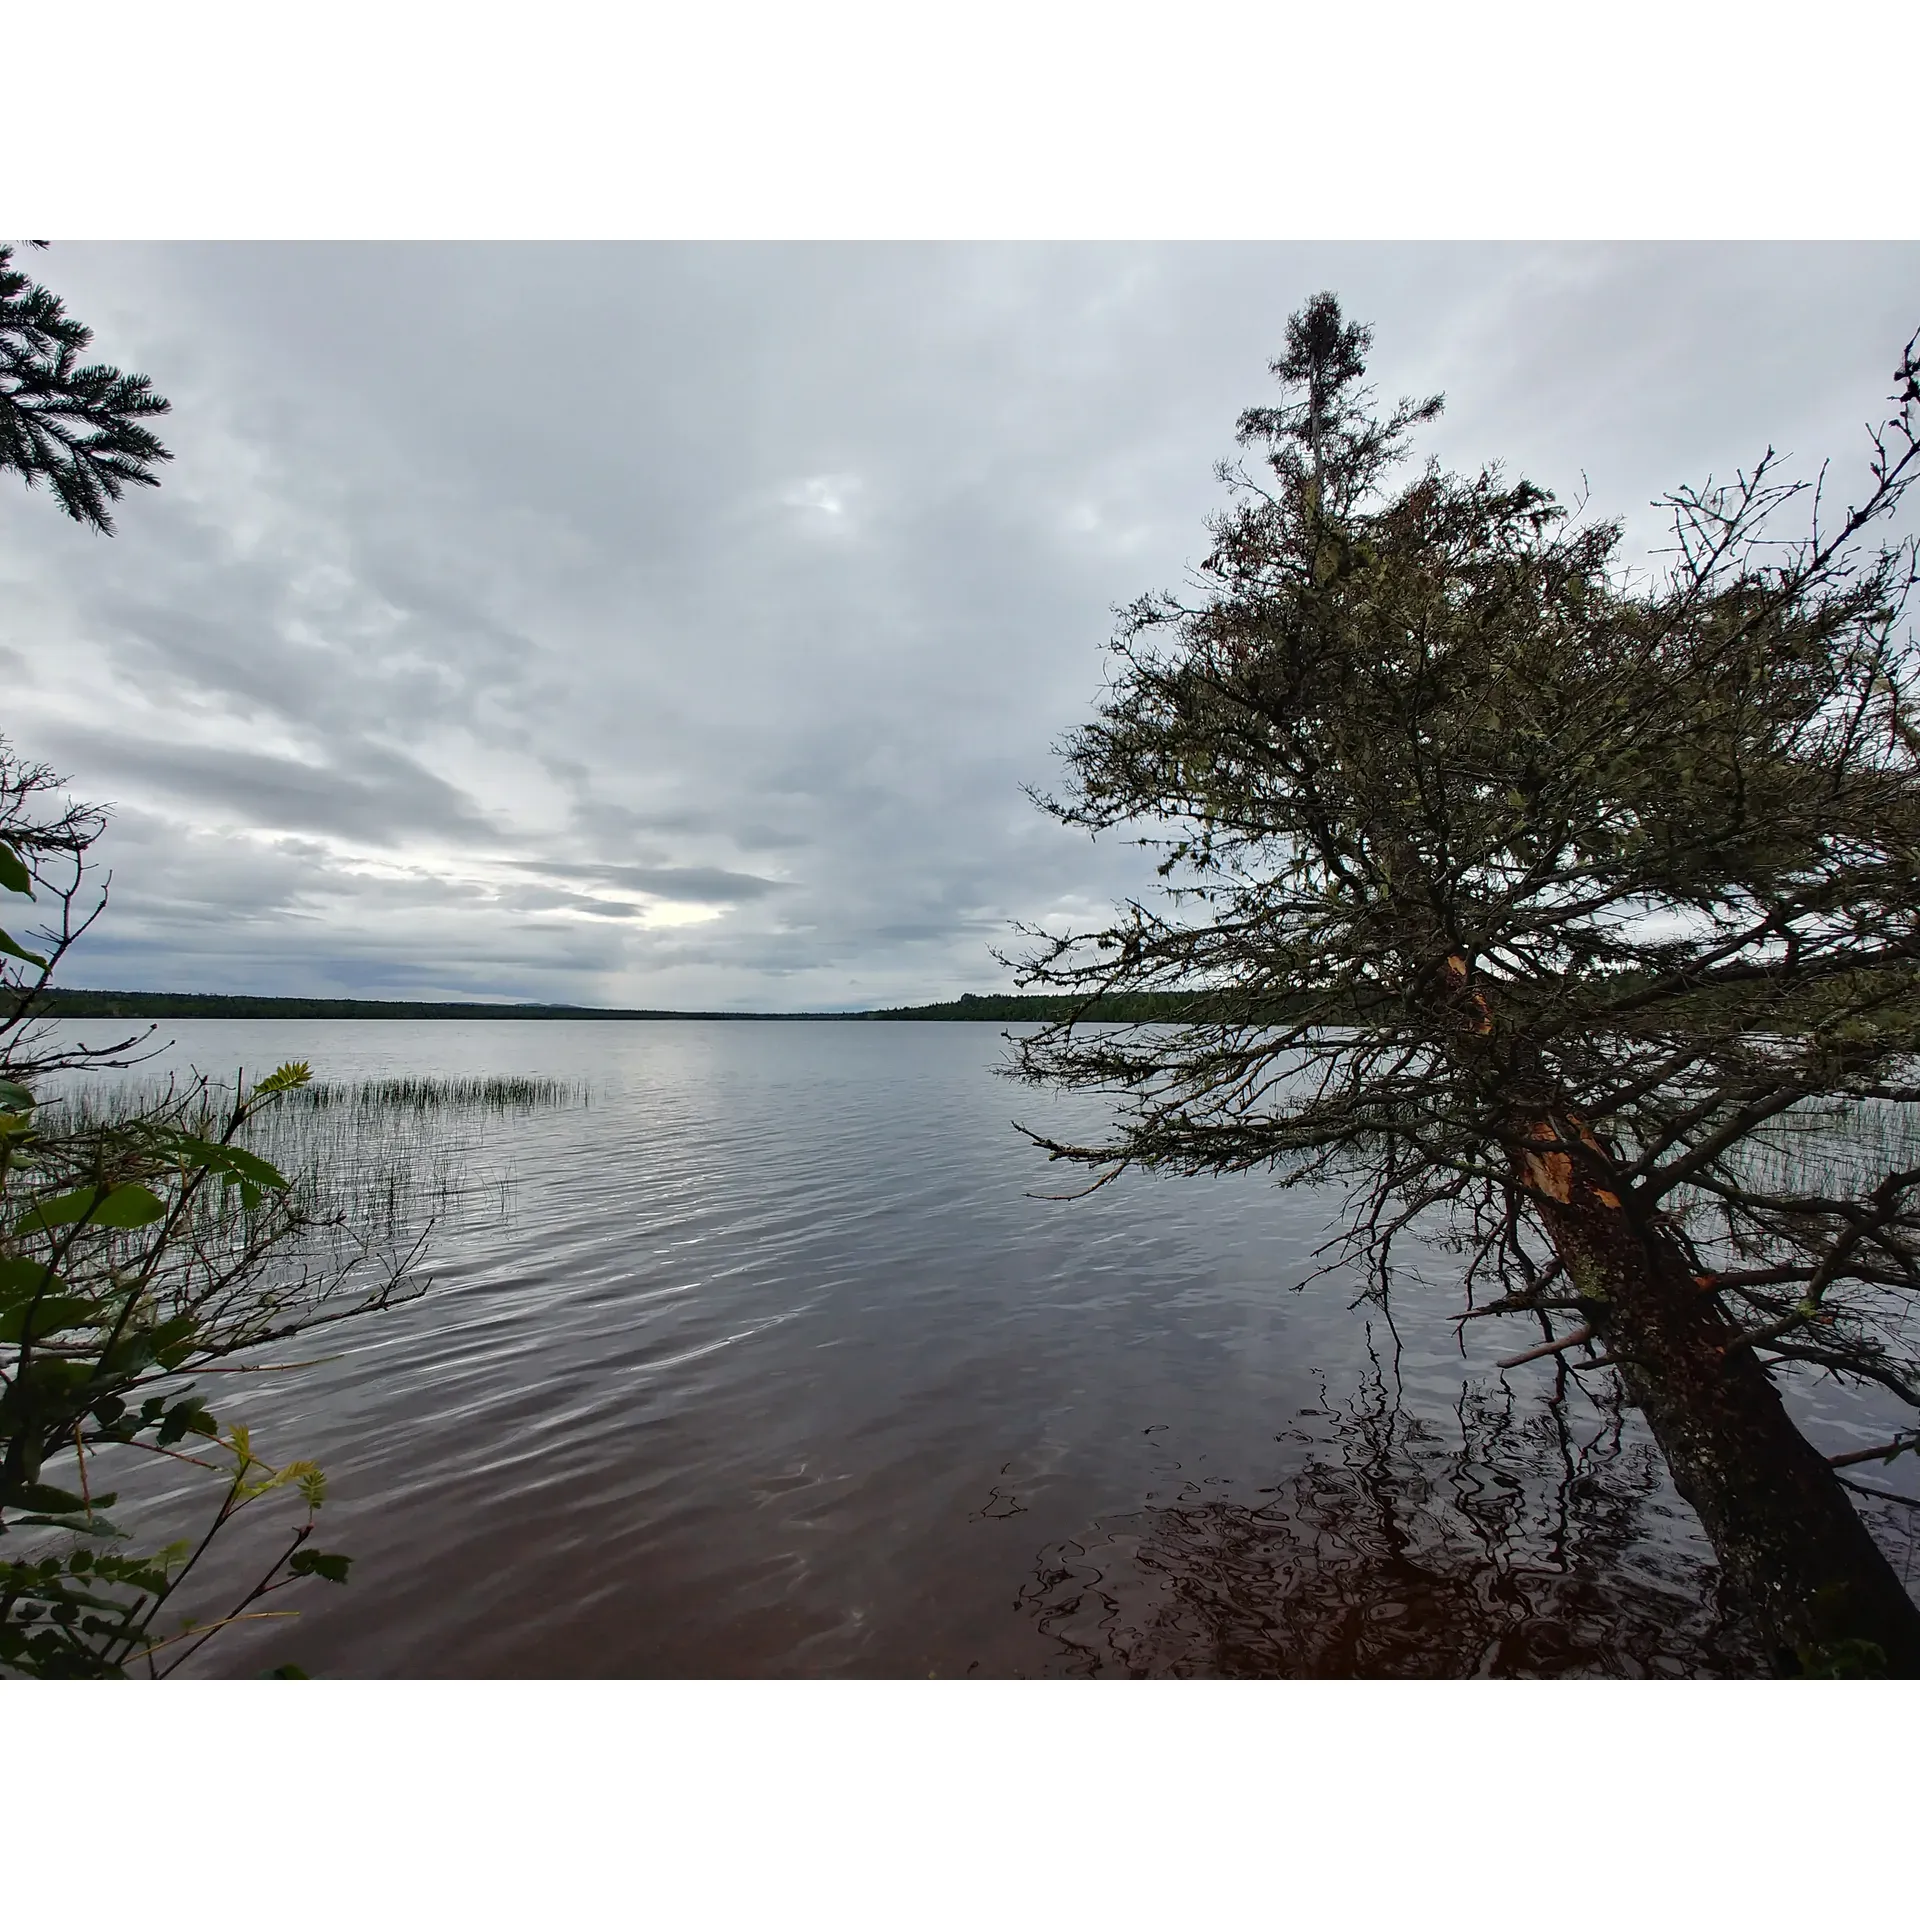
column 1559, row 911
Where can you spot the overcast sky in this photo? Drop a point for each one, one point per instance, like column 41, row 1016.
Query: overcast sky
column 677, row 625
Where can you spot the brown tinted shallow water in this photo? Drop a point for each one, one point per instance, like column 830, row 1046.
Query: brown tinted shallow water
column 765, row 1363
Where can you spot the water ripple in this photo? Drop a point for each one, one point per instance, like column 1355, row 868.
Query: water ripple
column 769, row 1365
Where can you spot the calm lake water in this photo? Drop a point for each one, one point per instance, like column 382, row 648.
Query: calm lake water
column 765, row 1363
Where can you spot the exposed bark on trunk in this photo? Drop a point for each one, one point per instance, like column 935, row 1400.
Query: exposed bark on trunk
column 1786, row 1533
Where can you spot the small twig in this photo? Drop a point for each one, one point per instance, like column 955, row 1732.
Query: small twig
column 1801, row 1312
column 147, row 1446
column 1577, row 1338
column 1520, row 1303
column 214, row 1626
column 1757, row 1277
column 263, row 1366
column 1891, row 1451
column 265, row 1585
column 1879, row 1493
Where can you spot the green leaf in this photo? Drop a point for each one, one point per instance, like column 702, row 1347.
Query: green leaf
column 118, row 1207
column 129, row 1357
column 235, row 1162
column 20, row 1280
column 323, row 1566
column 61, row 1211
column 173, row 1339
column 14, row 1098
column 286, row 1672
column 44, row 1499
column 54, row 1314
column 292, row 1073
column 179, row 1420
column 8, row 944
column 14, row 873
column 130, row 1206
column 57, row 1379
column 98, row 1527
column 263, row 1173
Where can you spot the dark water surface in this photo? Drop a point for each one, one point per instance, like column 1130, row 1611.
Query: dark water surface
column 769, row 1366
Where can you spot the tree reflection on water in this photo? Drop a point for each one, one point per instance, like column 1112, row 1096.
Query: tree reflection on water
column 1523, row 1536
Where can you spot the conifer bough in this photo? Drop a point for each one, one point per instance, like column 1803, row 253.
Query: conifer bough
column 75, row 426
column 1543, row 904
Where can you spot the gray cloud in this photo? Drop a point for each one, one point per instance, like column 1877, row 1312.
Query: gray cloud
column 707, row 885
column 371, row 793
column 762, row 586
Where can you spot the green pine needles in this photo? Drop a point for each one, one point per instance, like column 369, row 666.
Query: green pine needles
column 76, row 426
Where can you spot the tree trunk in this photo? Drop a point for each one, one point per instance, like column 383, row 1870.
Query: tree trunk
column 1785, row 1531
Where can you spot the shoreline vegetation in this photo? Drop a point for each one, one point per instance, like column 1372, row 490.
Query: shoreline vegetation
column 78, row 1003
column 1197, row 1006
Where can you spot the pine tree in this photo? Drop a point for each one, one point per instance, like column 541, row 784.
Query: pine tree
column 1563, row 914
column 75, row 426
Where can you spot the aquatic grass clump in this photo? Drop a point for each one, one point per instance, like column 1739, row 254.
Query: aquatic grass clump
column 1826, row 1148
column 371, row 1161
column 427, row 1093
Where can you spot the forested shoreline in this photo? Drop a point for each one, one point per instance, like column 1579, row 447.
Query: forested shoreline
column 1192, row 1006
column 90, row 1003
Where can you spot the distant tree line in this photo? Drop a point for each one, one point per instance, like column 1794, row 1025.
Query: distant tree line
column 88, row 1003
column 1173, row 1006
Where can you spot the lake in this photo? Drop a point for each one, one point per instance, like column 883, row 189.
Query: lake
column 759, row 1359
